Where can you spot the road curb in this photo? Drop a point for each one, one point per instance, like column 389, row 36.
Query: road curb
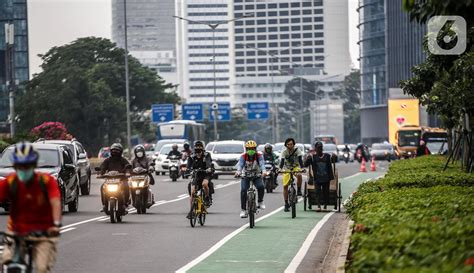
column 341, row 261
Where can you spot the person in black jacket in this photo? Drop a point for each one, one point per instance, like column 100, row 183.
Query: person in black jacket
column 200, row 160
column 141, row 161
column 321, row 166
column 174, row 152
column 115, row 163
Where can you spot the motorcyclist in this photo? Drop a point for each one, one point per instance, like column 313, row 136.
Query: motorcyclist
column 186, row 152
column 269, row 155
column 174, row 151
column 292, row 160
column 35, row 206
column 200, row 160
column 346, row 149
column 141, row 161
column 251, row 162
column 115, row 163
column 364, row 151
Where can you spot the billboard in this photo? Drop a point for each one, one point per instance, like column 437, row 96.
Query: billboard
column 402, row 112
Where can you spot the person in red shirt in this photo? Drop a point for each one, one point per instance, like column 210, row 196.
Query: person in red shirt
column 35, row 207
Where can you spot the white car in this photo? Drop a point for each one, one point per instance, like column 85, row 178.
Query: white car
column 226, row 155
column 160, row 143
column 161, row 160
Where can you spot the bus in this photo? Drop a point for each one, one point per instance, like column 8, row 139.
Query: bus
column 181, row 129
column 407, row 140
column 326, row 139
column 436, row 139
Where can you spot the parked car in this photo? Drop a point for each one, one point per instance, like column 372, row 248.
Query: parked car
column 226, row 154
column 331, row 149
column 56, row 160
column 161, row 161
column 104, row 152
column 81, row 161
column 384, row 151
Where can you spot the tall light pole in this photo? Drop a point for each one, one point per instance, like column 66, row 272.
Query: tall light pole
column 10, row 68
column 213, row 28
column 127, row 84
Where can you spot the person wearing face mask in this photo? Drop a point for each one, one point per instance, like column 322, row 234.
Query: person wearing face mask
column 251, row 162
column 140, row 161
column 291, row 160
column 115, row 163
column 35, row 206
column 200, row 160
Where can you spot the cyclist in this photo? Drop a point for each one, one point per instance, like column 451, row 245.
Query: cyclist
column 119, row 164
column 200, row 160
column 291, row 160
column 174, row 151
column 35, row 206
column 250, row 162
column 141, row 161
column 269, row 155
column 322, row 172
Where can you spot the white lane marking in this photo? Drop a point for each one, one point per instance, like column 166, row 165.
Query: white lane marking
column 102, row 220
column 351, row 176
column 306, row 244
column 119, row 234
column 82, row 222
column 182, row 195
column 67, row 229
column 224, row 240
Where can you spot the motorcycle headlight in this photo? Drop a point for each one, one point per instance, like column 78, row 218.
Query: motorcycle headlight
column 141, row 184
column 112, row 187
column 134, row 184
column 409, row 153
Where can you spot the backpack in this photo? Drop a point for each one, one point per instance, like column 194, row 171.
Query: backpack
column 13, row 185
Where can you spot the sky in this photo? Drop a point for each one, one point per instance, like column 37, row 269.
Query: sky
column 58, row 22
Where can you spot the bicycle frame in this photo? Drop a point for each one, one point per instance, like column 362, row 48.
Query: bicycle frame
column 18, row 263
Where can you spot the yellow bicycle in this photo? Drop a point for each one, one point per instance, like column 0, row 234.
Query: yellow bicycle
column 198, row 209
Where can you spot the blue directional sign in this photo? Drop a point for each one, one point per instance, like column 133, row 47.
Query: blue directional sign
column 192, row 111
column 162, row 112
column 223, row 112
column 257, row 110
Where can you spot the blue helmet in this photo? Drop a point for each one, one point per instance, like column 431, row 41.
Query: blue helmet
column 24, row 154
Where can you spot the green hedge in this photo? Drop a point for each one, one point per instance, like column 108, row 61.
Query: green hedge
column 422, row 224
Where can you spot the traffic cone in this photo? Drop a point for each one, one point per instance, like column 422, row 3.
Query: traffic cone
column 372, row 164
column 362, row 166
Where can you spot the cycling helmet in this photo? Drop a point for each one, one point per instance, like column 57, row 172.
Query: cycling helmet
column 250, row 144
column 268, row 148
column 24, row 154
column 186, row 146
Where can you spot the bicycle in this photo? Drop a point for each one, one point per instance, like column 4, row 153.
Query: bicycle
column 18, row 262
column 251, row 196
column 198, row 209
column 292, row 195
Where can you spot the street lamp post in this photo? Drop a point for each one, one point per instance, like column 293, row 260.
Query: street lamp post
column 213, row 28
column 127, row 84
column 10, row 51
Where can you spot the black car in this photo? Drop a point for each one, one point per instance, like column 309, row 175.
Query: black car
column 79, row 156
column 57, row 161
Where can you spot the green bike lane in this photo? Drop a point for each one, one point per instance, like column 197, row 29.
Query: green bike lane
column 273, row 243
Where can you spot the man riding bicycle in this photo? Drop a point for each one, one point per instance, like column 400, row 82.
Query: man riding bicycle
column 200, row 160
column 35, row 207
column 250, row 162
column 291, row 160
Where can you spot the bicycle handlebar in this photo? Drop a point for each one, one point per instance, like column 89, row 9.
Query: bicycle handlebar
column 293, row 172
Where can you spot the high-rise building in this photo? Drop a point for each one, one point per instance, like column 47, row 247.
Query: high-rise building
column 13, row 12
column 150, row 33
column 390, row 45
column 197, row 43
column 373, row 110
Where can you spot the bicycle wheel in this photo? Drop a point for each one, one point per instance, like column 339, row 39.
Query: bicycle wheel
column 202, row 218
column 292, row 197
column 251, row 208
column 193, row 218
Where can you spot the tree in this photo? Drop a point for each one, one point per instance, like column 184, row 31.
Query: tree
column 51, row 130
column 83, row 86
column 350, row 93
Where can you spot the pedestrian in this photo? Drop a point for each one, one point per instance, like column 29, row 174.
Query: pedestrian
column 321, row 167
column 422, row 149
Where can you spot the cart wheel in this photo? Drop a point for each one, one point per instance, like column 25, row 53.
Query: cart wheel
column 340, row 199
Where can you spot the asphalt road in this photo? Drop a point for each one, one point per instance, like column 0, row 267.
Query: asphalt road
column 161, row 240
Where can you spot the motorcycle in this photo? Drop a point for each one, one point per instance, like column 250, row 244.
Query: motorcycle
column 139, row 182
column 183, row 165
column 114, row 195
column 346, row 156
column 174, row 167
column 270, row 180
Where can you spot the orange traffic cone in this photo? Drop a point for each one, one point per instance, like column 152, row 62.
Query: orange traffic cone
column 362, row 166
column 372, row 164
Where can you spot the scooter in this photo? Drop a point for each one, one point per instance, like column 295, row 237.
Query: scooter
column 174, row 168
column 270, row 180
column 113, row 193
column 139, row 182
column 346, row 157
